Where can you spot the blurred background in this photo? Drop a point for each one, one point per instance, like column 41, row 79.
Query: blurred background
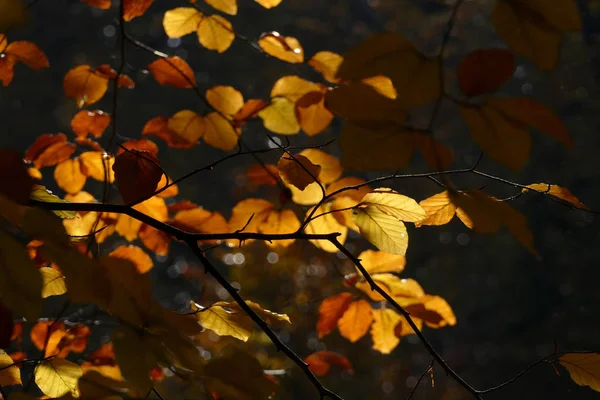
column 511, row 307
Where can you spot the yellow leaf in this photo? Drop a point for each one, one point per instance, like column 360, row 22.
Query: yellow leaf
column 285, row 48
column 269, row 3
column 20, row 280
column 477, row 211
column 583, row 368
column 382, row 330
column 397, row 205
column 500, row 138
column 10, row 374
column 57, row 377
column 265, row 314
column 135, row 356
column 327, row 63
column 558, row 192
column 53, row 281
column 280, row 223
column 393, row 285
column 358, row 102
column 529, row 112
column 387, row 233
column 215, row 33
column 225, row 321
column 138, row 257
column 171, row 191
column 343, row 215
column 377, row 262
column 343, row 183
column 68, row 176
column 298, row 171
column 331, row 169
column 249, row 214
column 181, row 21
column 40, row 193
column 415, row 77
column 311, row 195
column 433, row 310
column 293, row 87
column 280, row 116
column 154, row 207
column 226, row 6
column 220, row 133
column 439, row 209
column 225, row 99
column 311, row 113
column 323, row 225
column 533, row 29
column 356, row 320
column 383, row 85
column 187, row 127
column 98, row 165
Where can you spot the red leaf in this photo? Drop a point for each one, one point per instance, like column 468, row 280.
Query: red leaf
column 87, row 122
column 137, row 173
column 483, row 71
column 139, row 145
column 321, row 361
column 135, row 8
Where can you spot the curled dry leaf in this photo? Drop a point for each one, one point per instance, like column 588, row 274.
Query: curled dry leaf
column 285, row 48
column 298, row 170
column 483, row 71
column 173, row 71
column 85, row 85
column 87, row 122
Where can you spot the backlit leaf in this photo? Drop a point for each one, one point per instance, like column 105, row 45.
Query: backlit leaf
column 327, row 63
column 269, row 3
column 9, row 374
column 312, row 114
column 267, row 174
column 320, row 362
column 377, row 262
column 184, row 129
column 331, row 169
column 397, row 205
column 53, row 282
column 298, row 171
column 584, row 368
column 225, row 322
column 347, row 182
column 293, row 87
column 280, row 223
column 138, row 257
column 85, row 85
column 249, row 214
column 87, row 122
column 393, row 285
column 285, row 48
column 330, row 310
column 386, row 232
column 356, row 320
column 49, row 150
column 135, row 8
column 27, row 53
column 382, row 84
column 382, row 330
column 483, row 71
column 215, row 33
column 558, row 192
column 137, row 174
column 439, row 209
column 477, row 211
column 220, row 133
column 280, row 116
column 156, row 241
column 173, row 71
column 226, row 6
column 225, row 99
column 57, row 377
column 97, row 165
column 180, row 21
column 326, row 224
column 434, row 311
column 267, row 315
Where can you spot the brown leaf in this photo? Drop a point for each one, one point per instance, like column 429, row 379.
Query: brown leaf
column 173, row 71
column 27, row 53
column 267, row 174
column 87, row 122
column 483, row 71
column 320, row 362
column 137, row 174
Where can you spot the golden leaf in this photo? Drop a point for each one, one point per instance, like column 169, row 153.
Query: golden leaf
column 280, row 223
column 327, row 63
column 181, row 21
column 383, row 85
column 53, row 282
column 356, row 320
column 323, row 225
column 225, row 99
column 186, row 127
column 298, row 171
column 269, row 3
column 285, row 48
column 387, row 233
column 293, row 87
column 226, row 6
column 280, row 116
column 215, row 33
column 393, row 285
column 584, row 368
column 57, row 377
column 85, row 85
column 377, row 262
column 382, row 330
column 397, row 205
column 331, row 169
column 10, row 374
column 97, row 165
column 220, row 133
column 558, row 192
column 439, row 209
column 68, row 176
column 311, row 113
column 225, row 321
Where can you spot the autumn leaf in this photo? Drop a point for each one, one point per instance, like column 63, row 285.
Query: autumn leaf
column 156, row 241
column 392, row 285
column 181, row 21
column 135, row 8
column 53, row 282
column 249, row 214
column 331, row 169
column 297, row 170
column 483, row 71
column 10, row 374
column 250, row 109
column 267, row 174
column 280, row 116
column 326, row 63
column 324, row 224
column 224, row 321
column 57, row 377
column 182, row 130
column 394, row 204
column 433, row 310
column 415, row 77
column 173, row 71
column 137, row 174
column 377, row 262
column 311, row 113
column 386, row 232
column 321, row 361
column 292, row 87
column 534, row 29
column 285, row 48
column 556, row 191
column 87, row 122
column 20, row 51
column 278, row 223
column 49, row 150
column 226, row 6
column 215, row 33
column 382, row 330
column 220, row 132
column 138, row 257
column 97, row 165
column 356, row 320
column 85, row 85
column 331, row 310
column 225, row 99
column 439, row 209
column 269, row 3
column 584, row 368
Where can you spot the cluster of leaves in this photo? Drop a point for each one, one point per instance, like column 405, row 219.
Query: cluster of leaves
column 373, row 88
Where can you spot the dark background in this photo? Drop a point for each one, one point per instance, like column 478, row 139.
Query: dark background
column 511, row 308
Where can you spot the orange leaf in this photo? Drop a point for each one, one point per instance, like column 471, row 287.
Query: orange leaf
column 250, row 109
column 312, row 114
column 382, row 85
column 139, row 145
column 49, row 150
column 138, row 257
column 327, row 63
column 171, row 191
column 97, row 165
column 101, row 4
column 6, row 69
column 85, row 85
column 68, row 176
column 135, row 8
column 331, row 169
column 269, row 3
column 185, row 128
column 558, row 192
column 356, row 320
column 279, row 223
column 285, row 48
column 439, row 209
column 483, row 71
column 225, row 99
column 28, row 53
column 383, row 330
column 15, row 182
column 159, row 127
column 298, row 171
column 155, row 240
column 320, row 362
column 90, row 123
column 330, row 311
column 137, row 174
column 220, row 133
column 267, row 174
column 249, row 214
column 215, row 33
column 173, row 71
